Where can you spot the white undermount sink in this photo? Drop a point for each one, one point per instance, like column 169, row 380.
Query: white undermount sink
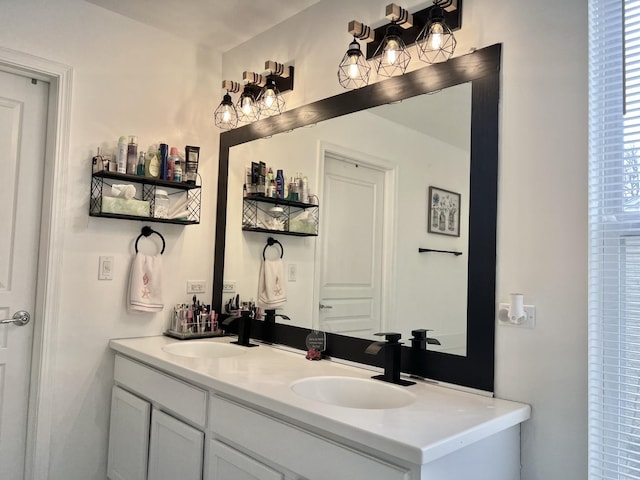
column 353, row 392
column 201, row 349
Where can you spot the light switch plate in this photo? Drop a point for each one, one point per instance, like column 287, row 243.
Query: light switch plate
column 105, row 268
column 228, row 286
column 196, row 286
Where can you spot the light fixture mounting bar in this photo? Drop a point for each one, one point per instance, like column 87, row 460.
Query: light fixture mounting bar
column 452, row 15
column 279, row 73
column 230, row 86
column 399, row 16
column 361, row 31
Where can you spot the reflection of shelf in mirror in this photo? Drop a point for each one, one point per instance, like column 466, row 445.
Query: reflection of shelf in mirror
column 279, row 201
column 278, row 216
column 281, row 232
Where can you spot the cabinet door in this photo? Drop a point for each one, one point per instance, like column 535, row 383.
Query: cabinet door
column 128, row 436
column 226, row 463
column 175, row 449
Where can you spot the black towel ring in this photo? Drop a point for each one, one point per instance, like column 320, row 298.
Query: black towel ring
column 270, row 242
column 146, row 231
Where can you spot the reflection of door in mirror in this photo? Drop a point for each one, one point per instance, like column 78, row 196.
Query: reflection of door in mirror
column 351, row 247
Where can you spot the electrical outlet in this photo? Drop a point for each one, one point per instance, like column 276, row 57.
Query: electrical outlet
column 196, row 286
column 529, row 322
column 228, row 286
column 105, row 268
column 292, row 272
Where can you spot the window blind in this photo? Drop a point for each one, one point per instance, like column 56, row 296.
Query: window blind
column 614, row 239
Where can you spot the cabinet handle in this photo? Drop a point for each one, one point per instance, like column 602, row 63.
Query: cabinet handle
column 325, row 306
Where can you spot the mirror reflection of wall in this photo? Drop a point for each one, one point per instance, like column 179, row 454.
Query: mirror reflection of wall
column 420, row 142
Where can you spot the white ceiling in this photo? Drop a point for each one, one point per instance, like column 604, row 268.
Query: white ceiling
column 219, row 24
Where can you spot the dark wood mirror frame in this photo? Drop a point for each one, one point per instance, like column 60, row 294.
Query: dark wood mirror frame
column 482, row 69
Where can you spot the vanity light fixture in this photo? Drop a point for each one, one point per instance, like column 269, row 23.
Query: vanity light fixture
column 391, row 56
column 436, row 42
column 354, row 70
column 431, row 29
column 226, row 115
column 261, row 96
column 270, row 98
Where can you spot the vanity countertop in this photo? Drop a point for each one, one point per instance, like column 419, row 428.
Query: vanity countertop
column 440, row 421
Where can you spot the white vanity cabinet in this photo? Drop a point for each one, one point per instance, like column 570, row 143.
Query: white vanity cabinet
column 146, row 439
column 237, row 418
column 226, row 463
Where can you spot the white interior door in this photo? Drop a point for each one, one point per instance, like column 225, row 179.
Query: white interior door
column 351, row 247
column 23, row 115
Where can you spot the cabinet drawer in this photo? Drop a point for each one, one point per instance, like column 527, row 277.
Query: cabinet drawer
column 297, row 450
column 181, row 398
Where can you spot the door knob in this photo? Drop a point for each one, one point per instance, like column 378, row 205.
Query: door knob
column 19, row 318
column 325, row 306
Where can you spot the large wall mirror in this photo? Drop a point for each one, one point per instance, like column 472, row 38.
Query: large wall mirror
column 376, row 159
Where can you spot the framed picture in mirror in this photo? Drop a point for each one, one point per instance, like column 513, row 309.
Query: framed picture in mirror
column 443, row 209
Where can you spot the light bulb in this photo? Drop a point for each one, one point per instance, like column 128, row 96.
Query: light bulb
column 353, row 66
column 226, row 115
column 269, row 97
column 391, row 51
column 435, row 36
column 247, row 106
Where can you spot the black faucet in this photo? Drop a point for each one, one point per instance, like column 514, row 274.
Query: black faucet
column 420, row 339
column 392, row 357
column 244, row 328
column 270, row 316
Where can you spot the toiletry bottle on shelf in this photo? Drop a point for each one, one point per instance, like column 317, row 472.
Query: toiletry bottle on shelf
column 97, row 162
column 132, row 155
column 177, row 171
column 122, row 155
column 305, row 190
column 279, row 184
column 152, row 168
column 171, row 163
column 140, row 168
column 164, row 160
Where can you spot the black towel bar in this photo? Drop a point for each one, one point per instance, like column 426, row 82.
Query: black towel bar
column 146, row 231
column 423, row 250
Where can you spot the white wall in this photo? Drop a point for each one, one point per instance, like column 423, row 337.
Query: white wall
column 542, row 212
column 128, row 79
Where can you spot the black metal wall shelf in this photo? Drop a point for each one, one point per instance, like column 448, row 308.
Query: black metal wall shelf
column 149, row 185
column 258, row 214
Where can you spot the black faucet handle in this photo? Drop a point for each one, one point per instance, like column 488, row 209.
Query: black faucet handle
column 390, row 337
column 420, row 333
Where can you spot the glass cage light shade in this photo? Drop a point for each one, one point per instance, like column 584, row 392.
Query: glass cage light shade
column 436, row 42
column 354, row 70
column 270, row 100
column 226, row 116
column 391, row 55
column 247, row 107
